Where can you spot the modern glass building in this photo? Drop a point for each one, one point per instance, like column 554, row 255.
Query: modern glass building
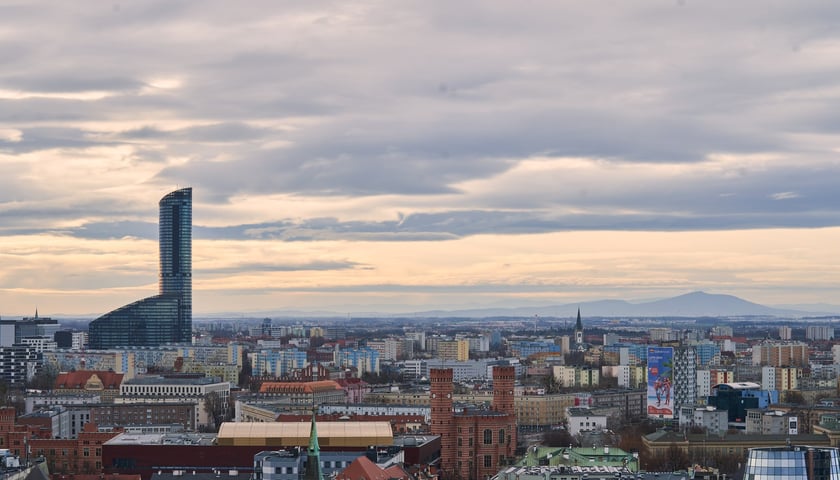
column 166, row 317
column 793, row 462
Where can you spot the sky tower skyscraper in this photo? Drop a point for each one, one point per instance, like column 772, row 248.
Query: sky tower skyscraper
column 166, row 317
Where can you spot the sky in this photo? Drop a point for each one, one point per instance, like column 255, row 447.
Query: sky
column 400, row 156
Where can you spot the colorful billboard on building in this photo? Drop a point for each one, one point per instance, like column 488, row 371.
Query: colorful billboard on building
column 660, row 387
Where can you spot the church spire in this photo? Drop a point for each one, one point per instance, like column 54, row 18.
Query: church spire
column 313, row 453
column 579, row 346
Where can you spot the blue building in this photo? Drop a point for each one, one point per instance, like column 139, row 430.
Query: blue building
column 526, row 348
column 706, row 352
column 737, row 397
column 362, row 359
column 279, row 363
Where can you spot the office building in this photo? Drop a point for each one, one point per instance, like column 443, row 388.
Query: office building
column 737, row 397
column 166, row 317
column 793, row 462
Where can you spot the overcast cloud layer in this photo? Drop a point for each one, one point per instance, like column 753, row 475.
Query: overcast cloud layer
column 348, row 154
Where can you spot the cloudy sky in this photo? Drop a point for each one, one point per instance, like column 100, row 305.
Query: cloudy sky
column 399, row 155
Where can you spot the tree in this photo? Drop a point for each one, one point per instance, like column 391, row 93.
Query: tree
column 247, row 370
column 559, row 438
column 216, row 409
column 551, row 384
column 671, row 460
column 44, row 378
column 795, row 397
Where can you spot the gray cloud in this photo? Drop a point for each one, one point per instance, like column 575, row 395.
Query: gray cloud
column 416, row 101
column 281, row 267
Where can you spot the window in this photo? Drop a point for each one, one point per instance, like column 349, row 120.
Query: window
column 502, row 436
column 488, row 436
column 488, row 461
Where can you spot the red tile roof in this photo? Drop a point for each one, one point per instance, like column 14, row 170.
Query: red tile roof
column 363, row 468
column 299, row 387
column 78, row 379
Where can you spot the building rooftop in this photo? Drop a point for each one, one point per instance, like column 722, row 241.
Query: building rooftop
column 160, row 380
column 581, row 412
column 740, row 385
column 299, row 387
column 291, row 434
column 163, row 439
column 758, row 439
column 79, row 378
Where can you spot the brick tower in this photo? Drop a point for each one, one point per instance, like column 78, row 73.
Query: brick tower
column 504, row 378
column 443, row 423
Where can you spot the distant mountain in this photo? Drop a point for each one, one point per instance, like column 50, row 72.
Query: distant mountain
column 695, row 304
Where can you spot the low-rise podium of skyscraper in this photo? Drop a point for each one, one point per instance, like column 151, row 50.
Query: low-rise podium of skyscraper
column 166, row 317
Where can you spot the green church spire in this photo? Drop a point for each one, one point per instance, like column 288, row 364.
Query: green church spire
column 313, row 453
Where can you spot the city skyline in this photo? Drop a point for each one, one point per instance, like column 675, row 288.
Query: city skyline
column 428, row 155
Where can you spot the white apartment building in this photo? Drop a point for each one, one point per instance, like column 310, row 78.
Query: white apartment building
column 158, row 389
column 819, row 332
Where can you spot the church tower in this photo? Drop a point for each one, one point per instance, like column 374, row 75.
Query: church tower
column 578, row 330
column 313, row 453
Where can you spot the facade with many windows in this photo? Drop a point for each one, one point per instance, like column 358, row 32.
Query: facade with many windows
column 18, row 363
column 793, row 462
column 166, row 317
column 160, row 389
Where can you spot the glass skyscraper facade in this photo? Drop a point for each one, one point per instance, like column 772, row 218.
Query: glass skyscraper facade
column 166, row 317
column 793, row 462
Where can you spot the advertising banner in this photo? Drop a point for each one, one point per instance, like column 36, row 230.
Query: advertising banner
column 660, row 387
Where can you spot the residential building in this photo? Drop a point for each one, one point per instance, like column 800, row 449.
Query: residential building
column 362, row 359
column 166, row 317
column 785, row 332
column 685, row 377
column 780, row 378
column 787, row 354
column 712, row 420
column 771, row 422
column 18, row 364
column 278, row 363
column 819, row 333
column 458, row 350
column 582, row 419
